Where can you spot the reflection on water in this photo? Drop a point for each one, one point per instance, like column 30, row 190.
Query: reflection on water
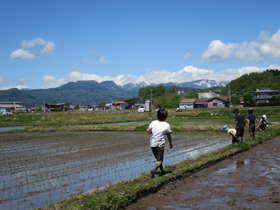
column 47, row 171
column 14, row 128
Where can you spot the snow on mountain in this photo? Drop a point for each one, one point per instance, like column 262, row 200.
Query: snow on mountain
column 203, row 83
column 130, row 86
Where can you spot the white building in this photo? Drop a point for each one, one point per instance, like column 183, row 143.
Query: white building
column 264, row 95
column 10, row 106
column 187, row 103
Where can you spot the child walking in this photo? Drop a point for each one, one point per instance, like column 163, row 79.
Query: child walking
column 159, row 128
column 251, row 123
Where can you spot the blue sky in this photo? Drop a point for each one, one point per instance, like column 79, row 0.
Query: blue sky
column 45, row 44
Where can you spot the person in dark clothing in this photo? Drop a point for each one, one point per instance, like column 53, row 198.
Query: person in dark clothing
column 251, row 123
column 239, row 125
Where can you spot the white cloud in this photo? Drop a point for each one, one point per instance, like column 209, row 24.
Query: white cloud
column 84, row 61
column 270, row 46
column 52, row 82
column 187, row 74
column 92, row 52
column 186, row 55
column 103, row 60
column 255, row 51
column 73, row 66
column 247, row 52
column 10, row 87
column 32, row 43
column 49, row 47
column 22, row 54
column 21, row 81
column 218, row 51
column 26, row 55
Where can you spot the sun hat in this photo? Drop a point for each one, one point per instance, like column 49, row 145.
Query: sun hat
column 225, row 128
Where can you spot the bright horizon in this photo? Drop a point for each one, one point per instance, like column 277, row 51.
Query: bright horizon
column 45, row 44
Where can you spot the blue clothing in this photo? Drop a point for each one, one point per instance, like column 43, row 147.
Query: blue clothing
column 240, row 119
column 251, row 119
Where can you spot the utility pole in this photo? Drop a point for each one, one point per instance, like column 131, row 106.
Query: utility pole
column 229, row 95
column 151, row 98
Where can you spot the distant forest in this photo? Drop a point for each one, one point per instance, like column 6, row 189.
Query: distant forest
column 250, row 82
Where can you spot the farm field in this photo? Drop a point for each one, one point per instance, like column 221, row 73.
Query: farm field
column 62, row 154
column 38, row 169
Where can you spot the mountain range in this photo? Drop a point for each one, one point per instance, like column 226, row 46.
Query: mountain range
column 199, row 84
column 90, row 92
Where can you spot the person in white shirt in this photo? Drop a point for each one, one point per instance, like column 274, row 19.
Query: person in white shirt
column 159, row 128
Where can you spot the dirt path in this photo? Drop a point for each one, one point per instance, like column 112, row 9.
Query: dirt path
column 250, row 180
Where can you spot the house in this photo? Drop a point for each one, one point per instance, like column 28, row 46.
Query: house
column 83, row 108
column 10, row 106
column 120, row 104
column 53, row 106
column 201, row 103
column 264, row 95
column 187, row 103
column 215, row 102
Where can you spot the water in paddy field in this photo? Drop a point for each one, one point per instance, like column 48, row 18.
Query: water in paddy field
column 40, row 169
column 14, row 128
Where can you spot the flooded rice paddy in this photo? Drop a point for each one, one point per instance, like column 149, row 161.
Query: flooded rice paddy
column 14, row 128
column 38, row 169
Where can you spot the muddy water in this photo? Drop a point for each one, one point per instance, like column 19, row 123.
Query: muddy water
column 14, row 128
column 250, row 180
column 38, row 169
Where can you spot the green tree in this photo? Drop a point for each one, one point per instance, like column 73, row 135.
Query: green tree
column 248, row 98
column 39, row 108
column 235, row 100
column 77, row 107
column 274, row 98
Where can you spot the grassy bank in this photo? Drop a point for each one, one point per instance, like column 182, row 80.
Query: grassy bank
column 119, row 195
column 56, row 120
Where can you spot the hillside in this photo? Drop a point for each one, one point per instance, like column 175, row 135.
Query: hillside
column 81, row 92
column 253, row 81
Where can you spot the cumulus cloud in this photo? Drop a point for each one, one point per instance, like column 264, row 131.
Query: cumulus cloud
column 103, row 60
column 270, row 46
column 21, row 81
column 187, row 74
column 22, row 54
column 186, row 55
column 73, row 66
column 256, row 51
column 218, row 51
column 10, row 87
column 247, row 52
column 33, row 43
column 49, row 47
column 52, row 82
